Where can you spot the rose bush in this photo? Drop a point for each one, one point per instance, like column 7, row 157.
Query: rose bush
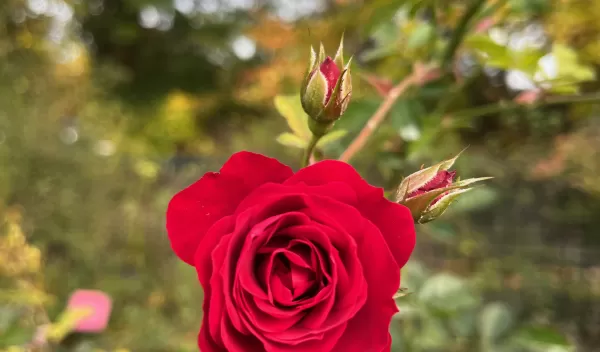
column 305, row 261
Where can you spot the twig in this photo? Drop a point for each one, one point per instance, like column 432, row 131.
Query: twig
column 419, row 75
column 460, row 32
column 377, row 118
column 462, row 116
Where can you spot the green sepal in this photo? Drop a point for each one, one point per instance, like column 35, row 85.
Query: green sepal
column 311, row 67
column 339, row 55
column 436, row 210
column 313, row 98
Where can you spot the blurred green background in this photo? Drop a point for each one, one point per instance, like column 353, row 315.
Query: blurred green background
column 108, row 107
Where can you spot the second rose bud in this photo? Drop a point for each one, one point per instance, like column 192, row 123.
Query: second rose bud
column 326, row 89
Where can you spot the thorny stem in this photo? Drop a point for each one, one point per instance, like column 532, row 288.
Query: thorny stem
column 379, row 116
column 460, row 31
column 310, row 149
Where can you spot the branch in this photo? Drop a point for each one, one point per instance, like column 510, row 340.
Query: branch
column 462, row 116
column 420, row 75
column 460, row 31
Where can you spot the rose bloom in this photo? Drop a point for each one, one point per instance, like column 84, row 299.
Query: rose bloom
column 305, row 261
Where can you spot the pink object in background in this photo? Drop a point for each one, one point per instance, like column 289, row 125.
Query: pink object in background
column 484, row 25
column 100, row 304
column 528, row 97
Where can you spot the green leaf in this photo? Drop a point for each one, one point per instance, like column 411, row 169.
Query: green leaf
column 291, row 109
column 500, row 56
column 291, row 140
column 414, row 275
column 494, row 322
column 464, row 323
column 447, row 293
column 569, row 67
column 565, row 89
column 331, row 137
column 405, row 113
column 542, row 338
column 357, row 114
column 8, row 316
column 442, row 231
column 380, row 11
column 420, row 36
column 433, row 335
column 526, row 60
column 17, row 336
column 407, row 311
column 484, row 44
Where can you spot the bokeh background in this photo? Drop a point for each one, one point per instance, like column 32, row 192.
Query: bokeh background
column 108, row 107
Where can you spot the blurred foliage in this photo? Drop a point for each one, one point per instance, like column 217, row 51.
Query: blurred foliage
column 22, row 295
column 109, row 107
column 446, row 313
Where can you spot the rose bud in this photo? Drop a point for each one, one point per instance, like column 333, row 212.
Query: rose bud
column 326, row 89
column 429, row 192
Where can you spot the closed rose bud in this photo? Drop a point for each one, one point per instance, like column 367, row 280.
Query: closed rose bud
column 326, row 89
column 442, row 179
column 429, row 192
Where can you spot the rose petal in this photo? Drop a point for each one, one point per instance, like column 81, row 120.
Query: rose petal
column 205, row 341
column 394, row 220
column 213, row 305
column 192, row 211
column 396, row 225
column 266, row 322
column 263, row 194
column 245, row 232
column 256, row 169
column 203, row 259
column 324, row 342
column 331, row 73
column 236, row 342
column 254, row 243
column 351, row 287
column 329, row 171
column 368, row 329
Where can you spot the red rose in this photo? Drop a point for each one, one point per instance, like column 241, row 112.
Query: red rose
column 292, row 262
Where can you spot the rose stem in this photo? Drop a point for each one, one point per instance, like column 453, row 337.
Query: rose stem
column 310, row 148
column 377, row 118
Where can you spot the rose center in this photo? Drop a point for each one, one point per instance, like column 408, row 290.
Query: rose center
column 299, row 280
column 290, row 272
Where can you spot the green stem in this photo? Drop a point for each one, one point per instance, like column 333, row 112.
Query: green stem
column 310, row 148
column 462, row 116
column 460, row 32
